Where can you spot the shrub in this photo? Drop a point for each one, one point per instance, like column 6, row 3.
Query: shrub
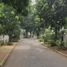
column 1, row 43
column 49, row 37
column 58, row 43
column 9, row 43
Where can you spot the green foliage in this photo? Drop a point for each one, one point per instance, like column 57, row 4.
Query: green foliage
column 9, row 21
column 9, row 43
column 65, row 22
column 28, row 22
column 49, row 37
column 1, row 43
column 19, row 5
column 10, row 10
column 58, row 43
column 52, row 13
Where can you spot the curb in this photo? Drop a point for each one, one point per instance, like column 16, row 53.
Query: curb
column 59, row 52
column 7, row 56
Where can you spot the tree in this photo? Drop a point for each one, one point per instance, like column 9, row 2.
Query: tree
column 8, row 20
column 12, row 10
column 52, row 13
column 19, row 5
column 43, row 12
column 27, row 22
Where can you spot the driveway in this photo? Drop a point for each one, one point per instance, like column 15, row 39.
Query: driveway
column 30, row 53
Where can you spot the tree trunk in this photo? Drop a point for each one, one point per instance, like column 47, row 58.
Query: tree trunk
column 62, row 39
column 26, row 34
column 56, row 33
column 10, row 38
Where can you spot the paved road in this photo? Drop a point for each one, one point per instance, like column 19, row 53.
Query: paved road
column 29, row 53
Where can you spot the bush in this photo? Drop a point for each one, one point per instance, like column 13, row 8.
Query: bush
column 58, row 43
column 1, row 43
column 15, row 36
column 49, row 37
column 41, row 38
column 9, row 43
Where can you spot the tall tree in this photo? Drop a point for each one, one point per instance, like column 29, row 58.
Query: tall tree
column 53, row 13
column 27, row 22
column 19, row 5
column 8, row 21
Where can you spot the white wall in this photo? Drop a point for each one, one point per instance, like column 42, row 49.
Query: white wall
column 65, row 40
column 5, row 38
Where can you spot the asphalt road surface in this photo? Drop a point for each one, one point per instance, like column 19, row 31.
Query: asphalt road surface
column 30, row 53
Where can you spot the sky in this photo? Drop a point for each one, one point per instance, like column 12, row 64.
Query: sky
column 33, row 2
